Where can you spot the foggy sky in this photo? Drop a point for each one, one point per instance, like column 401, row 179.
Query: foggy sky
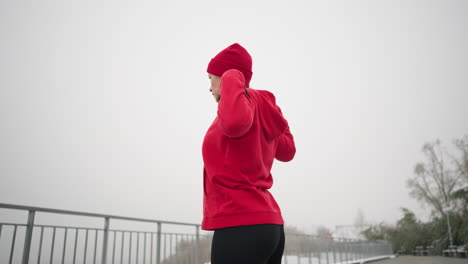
column 104, row 104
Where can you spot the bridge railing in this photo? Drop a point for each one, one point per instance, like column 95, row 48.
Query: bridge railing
column 32, row 242
column 310, row 249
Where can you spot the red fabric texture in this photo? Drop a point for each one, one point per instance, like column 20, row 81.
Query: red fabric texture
column 232, row 57
column 239, row 148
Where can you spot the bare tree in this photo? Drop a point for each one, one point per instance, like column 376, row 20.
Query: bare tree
column 434, row 181
column 461, row 163
column 360, row 220
column 323, row 232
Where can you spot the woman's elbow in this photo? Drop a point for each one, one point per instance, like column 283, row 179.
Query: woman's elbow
column 286, row 156
column 236, row 129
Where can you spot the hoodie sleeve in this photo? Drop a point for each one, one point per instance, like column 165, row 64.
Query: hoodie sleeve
column 235, row 110
column 286, row 148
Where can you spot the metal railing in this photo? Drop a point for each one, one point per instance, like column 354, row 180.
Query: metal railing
column 100, row 245
column 310, row 249
column 37, row 243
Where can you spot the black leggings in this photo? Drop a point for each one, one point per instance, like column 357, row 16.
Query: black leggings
column 252, row 244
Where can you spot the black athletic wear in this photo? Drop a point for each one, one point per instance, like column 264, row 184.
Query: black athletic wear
column 251, row 244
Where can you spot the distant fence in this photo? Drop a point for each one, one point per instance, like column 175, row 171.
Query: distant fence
column 309, row 249
column 35, row 243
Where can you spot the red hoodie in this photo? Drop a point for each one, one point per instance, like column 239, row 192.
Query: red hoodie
column 248, row 133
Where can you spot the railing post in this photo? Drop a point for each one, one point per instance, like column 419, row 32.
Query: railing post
column 158, row 249
column 105, row 240
column 319, row 250
column 334, row 252
column 340, row 248
column 362, row 250
column 328, row 250
column 347, row 249
column 197, row 247
column 28, row 237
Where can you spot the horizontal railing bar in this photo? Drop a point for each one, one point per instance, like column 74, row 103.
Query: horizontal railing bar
column 99, row 229
column 52, row 226
column 57, row 211
column 148, row 232
column 13, row 224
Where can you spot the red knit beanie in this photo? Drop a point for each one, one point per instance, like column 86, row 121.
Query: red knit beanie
column 232, row 57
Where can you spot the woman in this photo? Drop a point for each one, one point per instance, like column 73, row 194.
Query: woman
column 248, row 133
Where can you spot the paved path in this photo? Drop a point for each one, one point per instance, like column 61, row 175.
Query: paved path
column 422, row 260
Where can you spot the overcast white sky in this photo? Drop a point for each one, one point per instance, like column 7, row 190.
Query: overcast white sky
column 104, row 104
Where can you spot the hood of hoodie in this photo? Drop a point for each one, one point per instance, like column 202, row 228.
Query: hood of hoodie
column 271, row 119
